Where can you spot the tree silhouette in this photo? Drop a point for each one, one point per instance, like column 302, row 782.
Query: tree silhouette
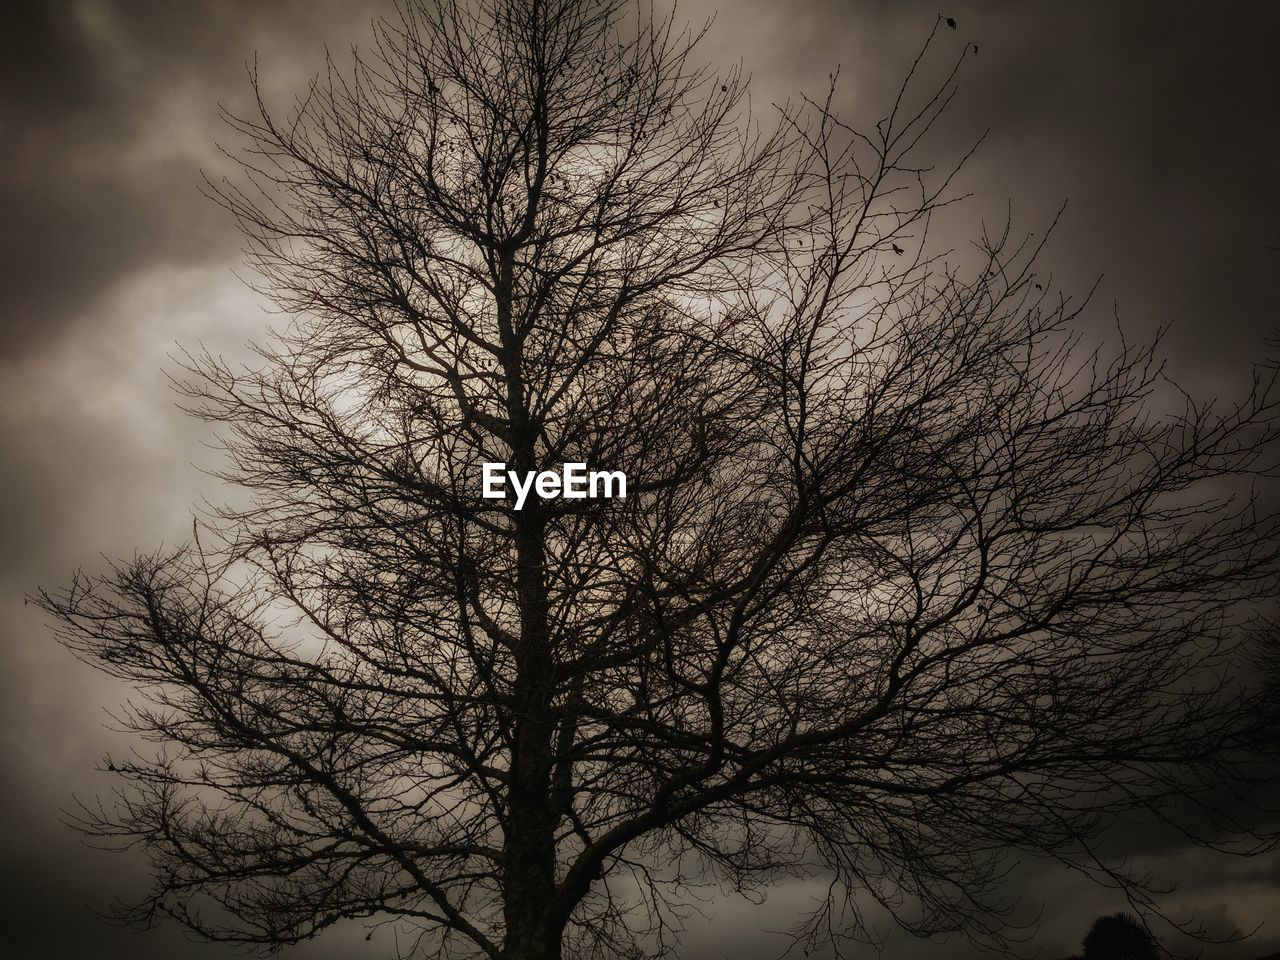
column 904, row 578
column 1119, row 936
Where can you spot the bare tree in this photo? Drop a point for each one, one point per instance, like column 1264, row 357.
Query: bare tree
column 905, row 578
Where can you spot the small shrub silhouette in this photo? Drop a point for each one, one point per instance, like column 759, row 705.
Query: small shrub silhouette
column 1120, row 936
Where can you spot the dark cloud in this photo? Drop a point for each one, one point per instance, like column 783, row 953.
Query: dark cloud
column 1155, row 121
column 109, row 111
column 1152, row 121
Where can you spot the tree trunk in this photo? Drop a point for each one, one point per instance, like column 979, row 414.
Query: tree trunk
column 533, row 933
column 529, row 869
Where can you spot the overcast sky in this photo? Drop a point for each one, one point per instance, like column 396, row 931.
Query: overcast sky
column 1155, row 121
